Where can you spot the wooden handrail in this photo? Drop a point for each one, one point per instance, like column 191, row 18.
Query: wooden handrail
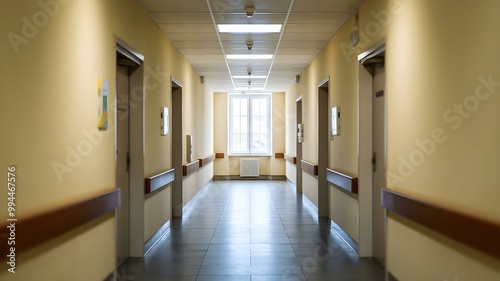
column 343, row 181
column 309, row 168
column 219, row 155
column 190, row 168
column 37, row 229
column 205, row 161
column 279, row 155
column 156, row 182
column 472, row 231
column 291, row 159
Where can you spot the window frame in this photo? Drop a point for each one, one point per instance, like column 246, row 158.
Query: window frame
column 249, row 98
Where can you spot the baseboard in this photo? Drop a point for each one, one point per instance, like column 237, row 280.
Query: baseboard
column 193, row 200
column 391, row 277
column 119, row 273
column 310, row 205
column 347, row 239
column 237, row 177
column 164, row 229
column 291, row 184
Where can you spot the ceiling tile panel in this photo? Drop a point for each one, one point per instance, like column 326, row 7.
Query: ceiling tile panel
column 325, row 37
column 192, row 37
column 318, row 18
column 188, row 28
column 189, row 24
column 225, row 37
column 322, row 6
column 241, row 18
column 312, row 28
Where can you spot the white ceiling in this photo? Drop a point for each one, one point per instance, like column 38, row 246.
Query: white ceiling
column 308, row 26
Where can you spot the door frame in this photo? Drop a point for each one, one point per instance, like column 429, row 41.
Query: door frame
column 122, row 140
column 298, row 152
column 136, row 143
column 365, row 143
column 177, row 148
column 323, row 144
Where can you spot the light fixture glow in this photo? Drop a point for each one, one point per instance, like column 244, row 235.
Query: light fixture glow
column 249, row 57
column 249, row 89
column 249, row 28
column 250, row 77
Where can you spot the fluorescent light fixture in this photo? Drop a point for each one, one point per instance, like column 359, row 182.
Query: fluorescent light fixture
column 249, row 28
column 250, row 77
column 249, row 89
column 249, row 57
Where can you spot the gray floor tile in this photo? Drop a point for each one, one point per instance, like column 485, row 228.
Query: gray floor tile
column 252, row 231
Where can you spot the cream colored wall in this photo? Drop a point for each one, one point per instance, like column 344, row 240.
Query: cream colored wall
column 344, row 210
column 49, row 103
column 436, row 62
column 157, row 211
column 291, row 130
column 308, row 184
column 269, row 166
column 201, row 128
column 220, row 133
column 439, row 67
column 343, row 150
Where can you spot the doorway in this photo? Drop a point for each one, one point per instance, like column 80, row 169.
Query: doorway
column 125, row 66
column 129, row 146
column 298, row 155
column 323, row 149
column 177, row 149
column 372, row 151
column 379, row 157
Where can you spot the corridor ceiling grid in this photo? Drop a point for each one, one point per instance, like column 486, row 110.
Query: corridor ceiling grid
column 307, row 25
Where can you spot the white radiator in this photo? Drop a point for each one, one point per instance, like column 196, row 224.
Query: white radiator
column 249, row 167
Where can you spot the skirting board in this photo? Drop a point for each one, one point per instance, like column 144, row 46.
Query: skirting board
column 164, row 229
column 237, row 177
column 309, row 204
column 291, row 184
column 344, row 236
column 193, row 200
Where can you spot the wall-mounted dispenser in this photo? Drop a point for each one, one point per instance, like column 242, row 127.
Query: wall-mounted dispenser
column 163, row 121
column 300, row 132
column 189, row 148
column 335, row 121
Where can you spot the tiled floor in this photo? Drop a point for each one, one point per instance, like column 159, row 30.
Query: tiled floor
column 251, row 231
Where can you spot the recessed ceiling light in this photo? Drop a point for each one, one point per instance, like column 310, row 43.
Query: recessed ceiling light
column 250, row 77
column 249, row 57
column 249, row 28
column 249, row 89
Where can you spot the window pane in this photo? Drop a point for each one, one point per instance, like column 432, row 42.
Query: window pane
column 249, row 130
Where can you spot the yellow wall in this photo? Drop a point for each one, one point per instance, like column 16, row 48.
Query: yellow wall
column 343, row 150
column 49, row 102
column 439, row 53
column 269, row 166
column 291, row 130
column 439, row 66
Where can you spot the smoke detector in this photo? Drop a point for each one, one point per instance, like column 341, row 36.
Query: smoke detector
column 250, row 45
column 249, row 10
